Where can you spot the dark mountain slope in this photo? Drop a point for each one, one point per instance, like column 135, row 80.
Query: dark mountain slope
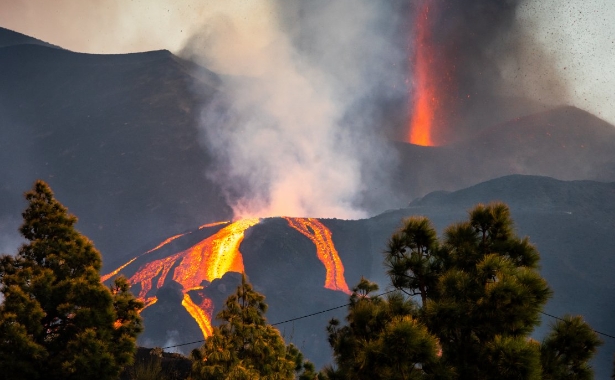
column 570, row 222
column 9, row 38
column 114, row 135
column 564, row 143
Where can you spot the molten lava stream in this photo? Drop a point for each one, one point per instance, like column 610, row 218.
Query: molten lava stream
column 425, row 99
column 202, row 318
column 320, row 235
column 167, row 241
column 214, row 256
column 205, row 261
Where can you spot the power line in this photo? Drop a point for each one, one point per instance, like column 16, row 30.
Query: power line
column 289, row 320
column 563, row 320
column 348, row 304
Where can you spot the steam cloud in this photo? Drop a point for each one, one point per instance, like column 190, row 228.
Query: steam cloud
column 311, row 89
column 282, row 129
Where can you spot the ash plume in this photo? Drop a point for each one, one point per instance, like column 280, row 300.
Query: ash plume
column 282, row 129
column 497, row 60
column 313, row 91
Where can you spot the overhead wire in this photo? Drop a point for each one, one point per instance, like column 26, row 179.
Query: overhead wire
column 292, row 319
column 348, row 304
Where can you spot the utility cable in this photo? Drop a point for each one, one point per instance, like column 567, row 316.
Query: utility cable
column 288, row 320
column 563, row 320
column 348, row 304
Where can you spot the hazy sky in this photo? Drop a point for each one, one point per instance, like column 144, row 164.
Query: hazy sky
column 580, row 34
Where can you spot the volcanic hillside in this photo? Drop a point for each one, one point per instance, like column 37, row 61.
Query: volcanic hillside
column 571, row 224
column 117, row 138
column 115, row 134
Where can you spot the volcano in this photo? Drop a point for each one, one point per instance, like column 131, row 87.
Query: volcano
column 570, row 222
column 116, row 137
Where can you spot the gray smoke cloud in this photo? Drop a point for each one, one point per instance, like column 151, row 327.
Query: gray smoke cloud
column 312, row 90
column 283, row 128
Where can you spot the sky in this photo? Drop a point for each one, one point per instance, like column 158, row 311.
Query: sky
column 579, row 33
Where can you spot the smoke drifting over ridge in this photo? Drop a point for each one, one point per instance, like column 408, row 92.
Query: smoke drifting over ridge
column 312, row 90
column 319, row 85
column 281, row 129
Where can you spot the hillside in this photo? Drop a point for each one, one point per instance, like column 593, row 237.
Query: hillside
column 114, row 135
column 564, row 143
column 570, row 222
column 117, row 138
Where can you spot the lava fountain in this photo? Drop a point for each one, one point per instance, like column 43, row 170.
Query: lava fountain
column 425, row 99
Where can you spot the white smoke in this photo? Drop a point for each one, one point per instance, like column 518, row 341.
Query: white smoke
column 278, row 129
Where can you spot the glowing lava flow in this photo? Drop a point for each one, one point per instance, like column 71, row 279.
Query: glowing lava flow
column 425, row 100
column 109, row 275
column 205, row 261
column 202, row 318
column 325, row 249
column 213, row 257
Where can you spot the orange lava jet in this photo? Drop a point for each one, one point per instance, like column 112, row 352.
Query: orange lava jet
column 320, row 235
column 205, row 261
column 425, row 101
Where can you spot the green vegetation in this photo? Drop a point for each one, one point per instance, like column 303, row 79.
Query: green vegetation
column 463, row 308
column 480, row 297
column 383, row 339
column 58, row 321
column 244, row 346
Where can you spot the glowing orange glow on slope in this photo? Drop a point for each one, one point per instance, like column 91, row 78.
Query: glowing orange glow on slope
column 146, row 274
column 207, row 260
column 425, row 100
column 320, row 235
column 149, row 303
column 167, row 241
column 108, row 276
column 213, row 224
column 214, row 256
column 199, row 315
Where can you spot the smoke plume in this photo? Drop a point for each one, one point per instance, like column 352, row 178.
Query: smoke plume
column 282, row 129
column 312, row 90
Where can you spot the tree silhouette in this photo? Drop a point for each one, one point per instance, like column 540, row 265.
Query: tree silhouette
column 58, row 320
column 244, row 346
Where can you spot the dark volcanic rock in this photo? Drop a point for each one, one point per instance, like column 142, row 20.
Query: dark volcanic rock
column 570, row 222
column 564, row 143
column 10, row 38
column 114, row 135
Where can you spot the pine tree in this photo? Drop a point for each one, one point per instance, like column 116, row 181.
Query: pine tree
column 481, row 296
column 58, row 320
column 566, row 351
column 244, row 346
column 382, row 339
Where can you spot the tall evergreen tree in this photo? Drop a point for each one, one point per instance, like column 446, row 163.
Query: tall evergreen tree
column 244, row 346
column 58, row 321
column 481, row 296
column 382, row 339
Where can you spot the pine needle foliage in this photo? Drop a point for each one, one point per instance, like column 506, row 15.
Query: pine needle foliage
column 475, row 295
column 57, row 320
column 244, row 346
column 382, row 339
